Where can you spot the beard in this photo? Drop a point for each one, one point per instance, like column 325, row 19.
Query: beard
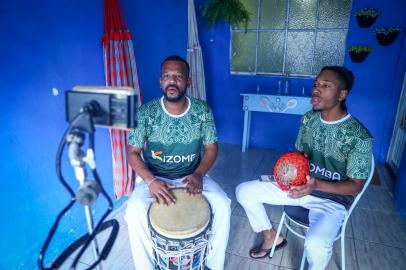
column 180, row 95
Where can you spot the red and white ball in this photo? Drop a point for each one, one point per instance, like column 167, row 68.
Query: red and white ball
column 291, row 169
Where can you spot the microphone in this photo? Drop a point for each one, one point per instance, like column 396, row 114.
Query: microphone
column 88, row 192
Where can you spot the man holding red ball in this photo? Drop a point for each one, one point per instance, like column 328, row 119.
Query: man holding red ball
column 339, row 150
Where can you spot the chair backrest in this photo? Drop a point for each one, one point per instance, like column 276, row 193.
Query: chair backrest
column 359, row 195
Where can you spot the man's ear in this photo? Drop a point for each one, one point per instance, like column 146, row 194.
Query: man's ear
column 343, row 95
column 189, row 81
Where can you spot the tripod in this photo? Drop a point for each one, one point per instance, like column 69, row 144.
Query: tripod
column 87, row 194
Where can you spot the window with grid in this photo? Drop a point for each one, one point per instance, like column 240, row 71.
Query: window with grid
column 290, row 37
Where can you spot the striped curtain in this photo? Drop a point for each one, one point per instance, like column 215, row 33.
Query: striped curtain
column 120, row 70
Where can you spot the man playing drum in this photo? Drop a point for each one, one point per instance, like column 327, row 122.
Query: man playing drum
column 339, row 149
column 165, row 150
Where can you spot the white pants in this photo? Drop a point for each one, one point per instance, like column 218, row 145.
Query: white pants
column 325, row 217
column 136, row 217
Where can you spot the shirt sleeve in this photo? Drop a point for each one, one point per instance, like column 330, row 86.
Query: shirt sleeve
column 209, row 128
column 136, row 137
column 359, row 159
column 299, row 139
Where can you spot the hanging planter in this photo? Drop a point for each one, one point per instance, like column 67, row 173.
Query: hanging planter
column 385, row 36
column 366, row 16
column 359, row 53
column 230, row 11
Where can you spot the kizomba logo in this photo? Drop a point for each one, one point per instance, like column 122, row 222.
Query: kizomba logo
column 172, row 158
column 323, row 171
column 156, row 155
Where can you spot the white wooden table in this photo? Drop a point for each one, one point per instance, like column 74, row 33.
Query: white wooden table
column 260, row 102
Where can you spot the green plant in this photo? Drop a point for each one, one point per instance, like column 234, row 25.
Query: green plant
column 367, row 12
column 385, row 36
column 360, row 49
column 387, row 31
column 231, row 11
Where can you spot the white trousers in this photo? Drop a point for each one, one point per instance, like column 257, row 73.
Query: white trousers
column 325, row 217
column 140, row 238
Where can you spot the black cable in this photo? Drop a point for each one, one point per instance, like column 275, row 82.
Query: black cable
column 51, row 233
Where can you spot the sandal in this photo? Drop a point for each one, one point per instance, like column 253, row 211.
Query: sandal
column 259, row 248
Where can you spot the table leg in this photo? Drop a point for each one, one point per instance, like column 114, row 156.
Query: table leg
column 246, row 131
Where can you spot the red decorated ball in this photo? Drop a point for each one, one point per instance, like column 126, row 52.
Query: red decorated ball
column 291, row 169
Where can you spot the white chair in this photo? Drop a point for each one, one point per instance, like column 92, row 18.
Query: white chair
column 299, row 217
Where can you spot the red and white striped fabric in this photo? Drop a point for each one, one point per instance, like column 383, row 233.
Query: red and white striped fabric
column 120, row 70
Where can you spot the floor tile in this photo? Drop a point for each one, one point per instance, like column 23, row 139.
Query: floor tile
column 377, row 198
column 118, row 214
column 292, row 253
column 350, row 257
column 120, row 254
column 377, row 256
column 234, row 262
column 376, row 233
column 386, row 177
column 68, row 263
column 379, row 227
column 242, row 239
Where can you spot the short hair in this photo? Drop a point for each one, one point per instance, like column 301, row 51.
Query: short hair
column 345, row 76
column 176, row 58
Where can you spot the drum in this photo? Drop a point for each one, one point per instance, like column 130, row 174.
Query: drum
column 180, row 232
column 291, row 169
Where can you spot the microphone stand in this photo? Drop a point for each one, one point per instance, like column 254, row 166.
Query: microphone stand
column 86, row 195
column 78, row 159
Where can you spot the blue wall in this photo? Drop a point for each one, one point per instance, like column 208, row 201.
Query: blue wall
column 44, row 44
column 373, row 99
column 48, row 44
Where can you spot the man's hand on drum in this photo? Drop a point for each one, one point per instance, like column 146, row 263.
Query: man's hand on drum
column 296, row 192
column 160, row 191
column 194, row 183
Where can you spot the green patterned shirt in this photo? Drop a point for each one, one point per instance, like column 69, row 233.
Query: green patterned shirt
column 172, row 144
column 337, row 150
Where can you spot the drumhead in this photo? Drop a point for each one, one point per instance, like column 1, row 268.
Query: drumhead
column 188, row 217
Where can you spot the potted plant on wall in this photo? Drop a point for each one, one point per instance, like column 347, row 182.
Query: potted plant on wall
column 359, row 53
column 231, row 11
column 385, row 36
column 366, row 16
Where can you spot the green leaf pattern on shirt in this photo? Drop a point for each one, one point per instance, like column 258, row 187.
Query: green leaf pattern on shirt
column 155, row 125
column 347, row 142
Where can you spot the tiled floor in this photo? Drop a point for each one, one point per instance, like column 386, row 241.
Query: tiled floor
column 375, row 237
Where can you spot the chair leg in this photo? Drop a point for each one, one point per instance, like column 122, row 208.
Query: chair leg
column 342, row 251
column 278, row 232
column 302, row 263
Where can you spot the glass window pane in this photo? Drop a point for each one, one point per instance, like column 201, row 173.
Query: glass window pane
column 302, row 14
column 252, row 7
column 299, row 56
column 270, row 51
column 334, row 14
column 243, row 51
column 273, row 14
column 305, row 53
column 330, row 49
